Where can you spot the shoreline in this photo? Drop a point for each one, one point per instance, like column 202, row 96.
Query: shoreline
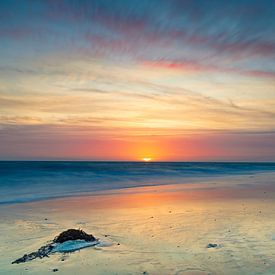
column 195, row 182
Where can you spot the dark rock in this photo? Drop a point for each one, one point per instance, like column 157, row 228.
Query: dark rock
column 74, row 234
column 55, row 270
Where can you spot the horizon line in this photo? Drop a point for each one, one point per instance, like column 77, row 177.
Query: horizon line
column 136, row 161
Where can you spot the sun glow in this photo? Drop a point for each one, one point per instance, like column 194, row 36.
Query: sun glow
column 147, row 159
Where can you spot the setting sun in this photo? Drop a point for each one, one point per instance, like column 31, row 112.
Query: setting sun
column 147, row 159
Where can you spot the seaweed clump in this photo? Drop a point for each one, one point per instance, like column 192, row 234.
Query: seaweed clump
column 44, row 251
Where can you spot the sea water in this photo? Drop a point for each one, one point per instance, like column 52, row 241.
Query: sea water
column 24, row 181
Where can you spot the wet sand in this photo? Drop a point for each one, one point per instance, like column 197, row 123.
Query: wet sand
column 153, row 230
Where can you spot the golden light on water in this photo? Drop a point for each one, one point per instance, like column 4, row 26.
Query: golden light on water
column 147, row 159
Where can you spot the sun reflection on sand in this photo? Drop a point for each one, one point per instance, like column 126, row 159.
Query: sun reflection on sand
column 143, row 197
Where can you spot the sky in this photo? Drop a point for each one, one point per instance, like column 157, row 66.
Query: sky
column 175, row 80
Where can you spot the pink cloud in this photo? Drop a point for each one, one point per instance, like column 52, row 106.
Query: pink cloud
column 194, row 66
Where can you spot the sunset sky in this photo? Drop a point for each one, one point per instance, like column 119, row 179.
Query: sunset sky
column 123, row 80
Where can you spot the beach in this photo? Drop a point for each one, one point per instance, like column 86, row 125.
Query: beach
column 137, row 137
column 160, row 229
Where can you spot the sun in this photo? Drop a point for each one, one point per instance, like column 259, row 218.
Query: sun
column 147, row 159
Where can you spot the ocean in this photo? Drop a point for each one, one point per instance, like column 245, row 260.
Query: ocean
column 25, row 181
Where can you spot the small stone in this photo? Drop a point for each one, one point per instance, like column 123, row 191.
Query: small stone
column 118, row 244
column 55, row 270
column 212, row 245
